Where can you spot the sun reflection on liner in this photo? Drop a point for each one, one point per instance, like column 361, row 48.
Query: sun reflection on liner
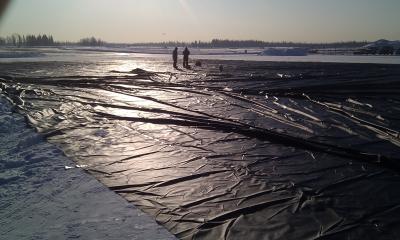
column 128, row 65
column 146, row 63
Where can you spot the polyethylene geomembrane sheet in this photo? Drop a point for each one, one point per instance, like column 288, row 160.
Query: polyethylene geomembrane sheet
column 254, row 151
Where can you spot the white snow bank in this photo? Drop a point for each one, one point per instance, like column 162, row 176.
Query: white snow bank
column 280, row 51
column 383, row 43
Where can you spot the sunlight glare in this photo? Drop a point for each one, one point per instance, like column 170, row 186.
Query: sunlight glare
column 188, row 10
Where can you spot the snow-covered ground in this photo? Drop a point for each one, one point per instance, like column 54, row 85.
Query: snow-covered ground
column 20, row 54
column 111, row 54
column 42, row 198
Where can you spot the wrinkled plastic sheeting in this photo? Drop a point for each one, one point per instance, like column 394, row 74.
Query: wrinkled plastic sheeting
column 267, row 151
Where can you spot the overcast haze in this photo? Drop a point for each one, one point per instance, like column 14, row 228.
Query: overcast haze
column 187, row 20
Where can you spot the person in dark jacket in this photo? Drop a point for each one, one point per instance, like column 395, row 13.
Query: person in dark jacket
column 186, row 54
column 175, row 57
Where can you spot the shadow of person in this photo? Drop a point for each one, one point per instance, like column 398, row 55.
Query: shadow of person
column 178, row 69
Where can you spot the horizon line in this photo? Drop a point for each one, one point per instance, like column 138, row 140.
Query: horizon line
column 201, row 41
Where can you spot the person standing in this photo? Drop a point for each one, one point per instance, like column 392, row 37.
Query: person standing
column 175, row 57
column 186, row 54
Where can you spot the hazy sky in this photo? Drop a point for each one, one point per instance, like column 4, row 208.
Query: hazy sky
column 183, row 20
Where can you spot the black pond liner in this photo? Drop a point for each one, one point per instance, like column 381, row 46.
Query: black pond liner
column 259, row 151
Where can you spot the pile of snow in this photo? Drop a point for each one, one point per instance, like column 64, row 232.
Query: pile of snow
column 381, row 47
column 281, row 51
column 383, row 43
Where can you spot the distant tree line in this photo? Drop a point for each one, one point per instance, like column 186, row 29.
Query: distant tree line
column 92, row 41
column 218, row 43
column 18, row 40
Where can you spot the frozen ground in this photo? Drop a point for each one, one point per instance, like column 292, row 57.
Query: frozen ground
column 40, row 199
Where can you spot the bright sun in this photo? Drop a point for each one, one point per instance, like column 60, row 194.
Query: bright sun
column 188, row 10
